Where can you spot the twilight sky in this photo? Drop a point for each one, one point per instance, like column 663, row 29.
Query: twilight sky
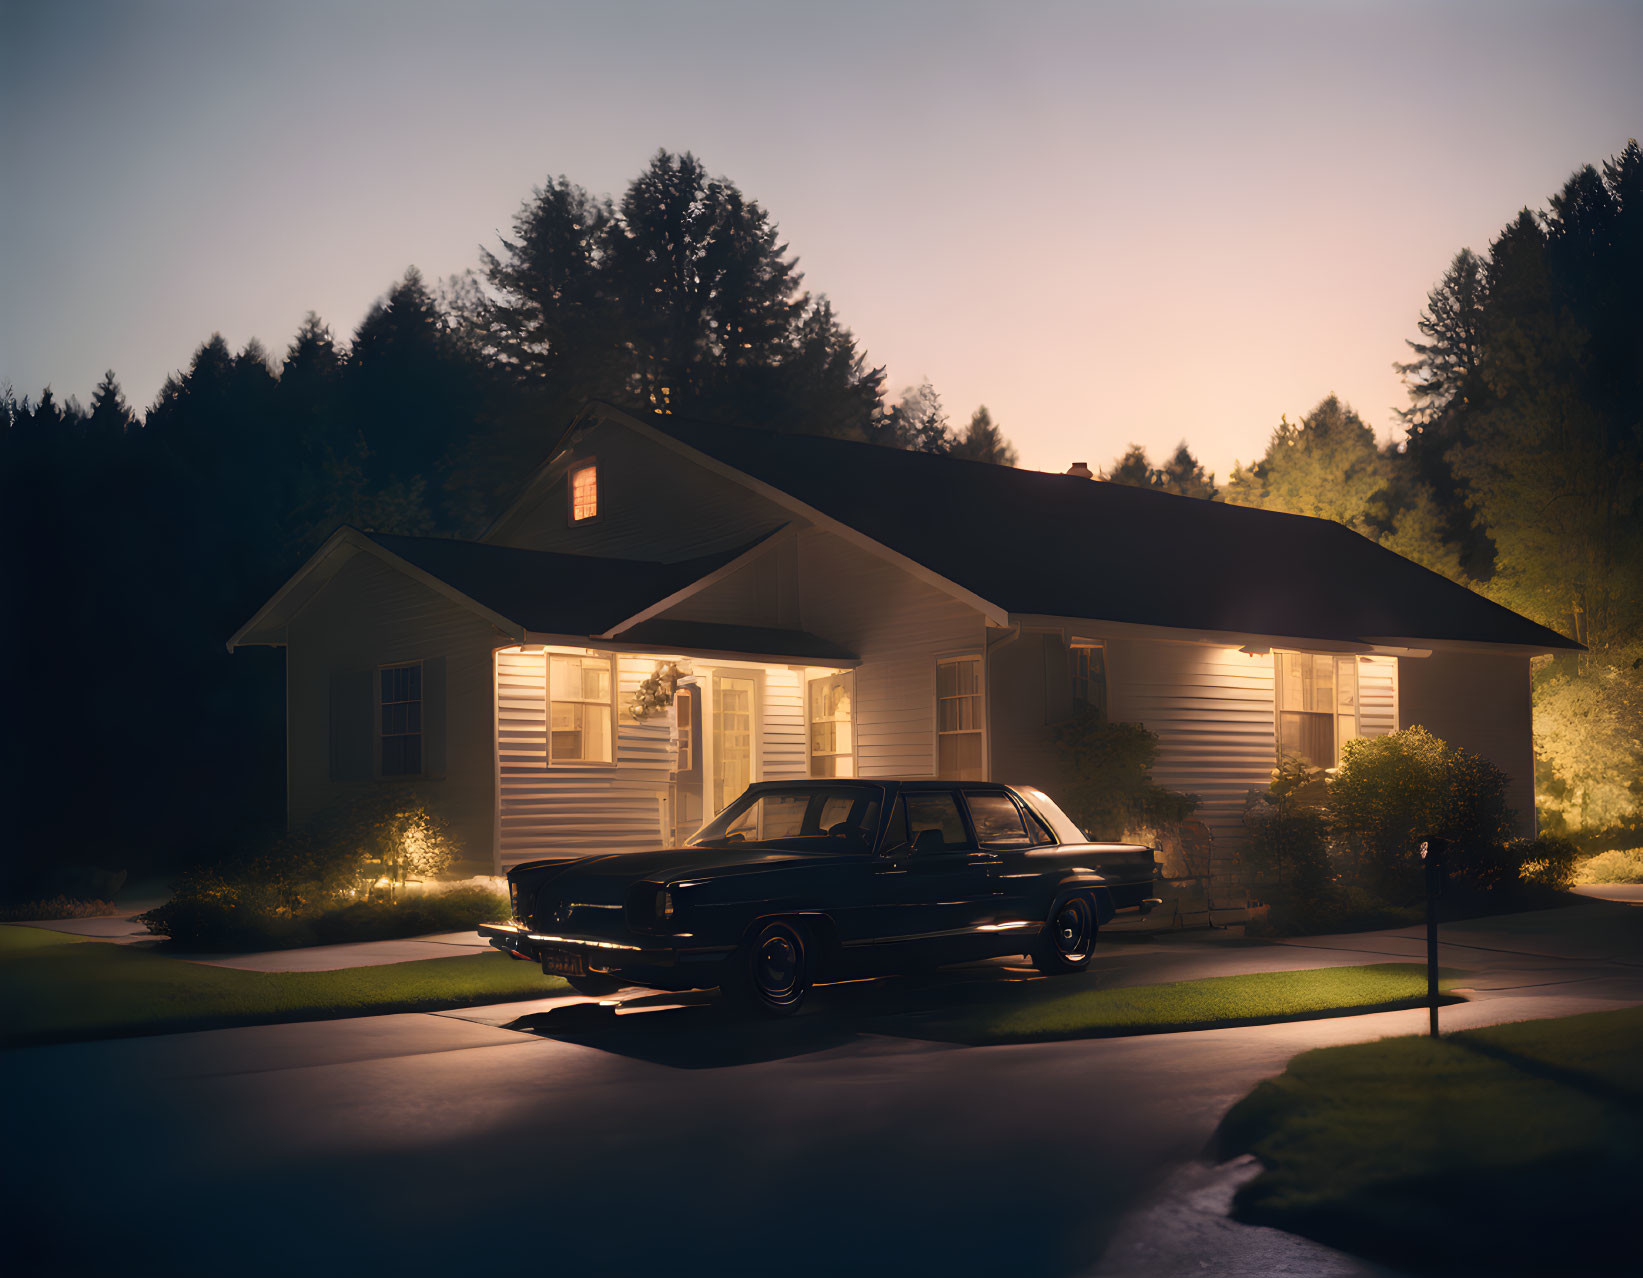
column 1107, row 222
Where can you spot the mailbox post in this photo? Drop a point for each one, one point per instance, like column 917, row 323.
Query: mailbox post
column 1432, row 857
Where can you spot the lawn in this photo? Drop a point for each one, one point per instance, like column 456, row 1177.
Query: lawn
column 55, row 988
column 1219, row 1001
column 1517, row 1148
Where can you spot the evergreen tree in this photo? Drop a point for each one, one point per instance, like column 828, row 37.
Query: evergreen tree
column 916, row 422
column 984, row 441
column 110, row 420
column 1182, row 474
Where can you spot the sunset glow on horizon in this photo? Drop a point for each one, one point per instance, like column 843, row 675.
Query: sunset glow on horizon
column 1108, row 226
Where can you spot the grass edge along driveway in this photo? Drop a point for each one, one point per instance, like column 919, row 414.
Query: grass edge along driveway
column 60, row 988
column 1216, row 1002
column 1514, row 1148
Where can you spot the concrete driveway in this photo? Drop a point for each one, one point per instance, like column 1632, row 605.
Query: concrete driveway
column 562, row 1137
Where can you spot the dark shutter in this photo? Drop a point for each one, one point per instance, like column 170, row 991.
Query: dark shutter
column 433, row 716
column 353, row 727
column 1058, row 694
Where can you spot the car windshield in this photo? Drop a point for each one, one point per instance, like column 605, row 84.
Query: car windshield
column 827, row 818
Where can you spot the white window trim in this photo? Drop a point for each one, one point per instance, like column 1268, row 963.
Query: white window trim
column 576, row 468
column 980, row 658
column 1083, row 641
column 710, row 743
column 376, row 722
column 1335, row 715
column 849, row 677
column 547, row 705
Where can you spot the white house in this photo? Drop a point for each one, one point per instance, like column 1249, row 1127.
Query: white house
column 809, row 606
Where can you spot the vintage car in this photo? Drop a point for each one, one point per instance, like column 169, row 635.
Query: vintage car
column 799, row 882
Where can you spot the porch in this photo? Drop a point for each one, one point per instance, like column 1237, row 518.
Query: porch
column 617, row 749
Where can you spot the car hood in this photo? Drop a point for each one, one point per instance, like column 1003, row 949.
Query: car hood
column 605, row 877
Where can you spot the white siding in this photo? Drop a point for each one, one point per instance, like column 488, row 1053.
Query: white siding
column 556, row 811
column 1212, row 710
column 897, row 626
column 1377, row 696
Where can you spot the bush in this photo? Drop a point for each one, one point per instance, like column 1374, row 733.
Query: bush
column 1543, row 862
column 1109, row 787
column 343, row 877
column 1391, row 791
column 1618, row 866
column 1330, row 907
column 1287, row 852
column 57, row 907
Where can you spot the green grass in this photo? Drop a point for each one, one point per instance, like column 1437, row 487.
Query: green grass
column 56, row 988
column 1207, row 1004
column 1517, row 1148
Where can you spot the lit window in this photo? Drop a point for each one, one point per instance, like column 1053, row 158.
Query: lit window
column 832, row 738
column 1317, row 706
column 581, row 714
column 959, row 719
column 584, row 493
column 399, row 720
column 1089, row 670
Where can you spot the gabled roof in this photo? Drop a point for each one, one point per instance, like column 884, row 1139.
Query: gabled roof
column 1038, row 544
column 521, row 592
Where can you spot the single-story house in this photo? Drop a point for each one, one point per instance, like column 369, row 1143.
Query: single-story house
column 670, row 610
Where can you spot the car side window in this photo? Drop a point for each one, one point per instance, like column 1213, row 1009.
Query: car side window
column 934, row 821
column 997, row 820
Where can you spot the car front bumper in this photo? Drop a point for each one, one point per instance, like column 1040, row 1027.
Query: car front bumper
column 660, row 961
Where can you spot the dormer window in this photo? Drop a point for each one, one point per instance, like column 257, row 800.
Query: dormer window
column 584, row 493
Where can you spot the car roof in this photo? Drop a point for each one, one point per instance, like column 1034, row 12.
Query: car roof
column 911, row 783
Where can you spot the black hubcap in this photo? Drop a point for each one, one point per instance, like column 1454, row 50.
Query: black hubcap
column 777, row 963
column 1073, row 928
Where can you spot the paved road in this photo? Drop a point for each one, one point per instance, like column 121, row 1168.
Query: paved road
column 561, row 1137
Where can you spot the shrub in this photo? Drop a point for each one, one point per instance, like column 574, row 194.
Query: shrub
column 57, row 907
column 1288, row 847
column 1109, row 787
column 1331, row 907
column 1618, row 866
column 342, row 877
column 1390, row 791
column 1544, row 862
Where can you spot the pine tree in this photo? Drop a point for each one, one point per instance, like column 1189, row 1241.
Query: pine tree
column 984, row 441
column 111, row 420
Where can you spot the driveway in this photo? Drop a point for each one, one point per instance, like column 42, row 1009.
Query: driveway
column 563, row 1137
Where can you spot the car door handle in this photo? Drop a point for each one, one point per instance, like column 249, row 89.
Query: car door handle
column 983, row 859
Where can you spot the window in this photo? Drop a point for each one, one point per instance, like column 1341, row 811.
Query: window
column 997, row 820
column 732, row 737
column 1317, row 701
column 584, row 493
column 959, row 718
column 826, row 819
column 934, row 821
column 1089, row 670
column 832, row 740
column 399, row 720
column 581, row 714
column 684, row 702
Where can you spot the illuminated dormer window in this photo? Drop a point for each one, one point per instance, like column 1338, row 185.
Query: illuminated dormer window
column 584, row 493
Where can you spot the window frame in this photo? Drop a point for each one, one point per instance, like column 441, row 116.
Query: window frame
column 847, row 679
column 612, row 660
column 421, row 734
column 1336, row 717
column 980, row 696
column 1078, row 644
column 576, row 468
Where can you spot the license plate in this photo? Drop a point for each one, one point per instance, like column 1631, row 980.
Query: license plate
column 564, row 963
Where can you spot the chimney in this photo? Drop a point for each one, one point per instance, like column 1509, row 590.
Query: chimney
column 1081, row 470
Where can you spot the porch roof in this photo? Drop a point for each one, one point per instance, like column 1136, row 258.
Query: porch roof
column 757, row 641
column 1034, row 543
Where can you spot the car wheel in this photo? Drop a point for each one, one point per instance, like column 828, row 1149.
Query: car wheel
column 771, row 973
column 594, row 984
column 1067, row 942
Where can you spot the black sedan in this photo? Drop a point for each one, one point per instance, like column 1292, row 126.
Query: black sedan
column 799, row 882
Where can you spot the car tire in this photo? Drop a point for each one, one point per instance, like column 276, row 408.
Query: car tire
column 594, row 985
column 1067, row 943
column 770, row 974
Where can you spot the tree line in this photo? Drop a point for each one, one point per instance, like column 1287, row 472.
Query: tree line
column 138, row 541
